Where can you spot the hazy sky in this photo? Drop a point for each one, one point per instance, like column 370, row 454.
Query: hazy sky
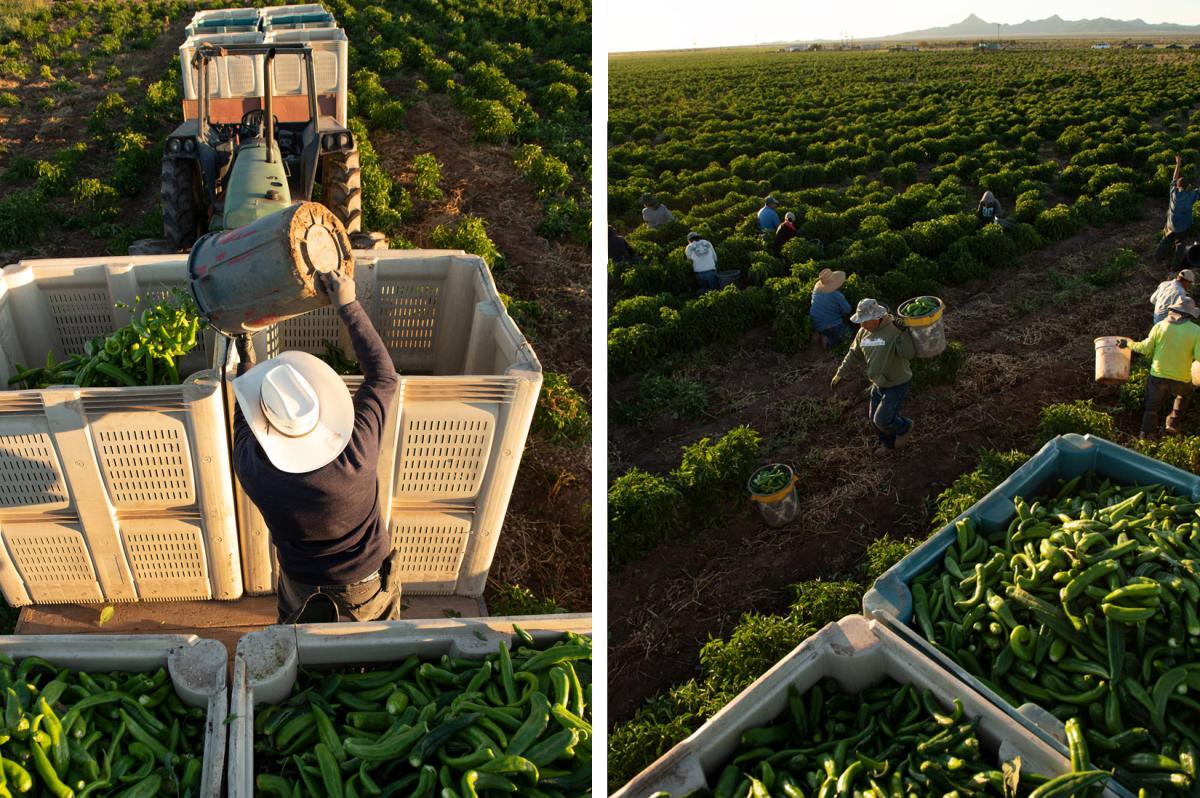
column 672, row 24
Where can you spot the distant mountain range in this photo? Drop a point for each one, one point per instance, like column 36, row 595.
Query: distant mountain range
column 975, row 28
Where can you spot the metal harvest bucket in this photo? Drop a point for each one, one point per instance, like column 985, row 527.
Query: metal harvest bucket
column 246, row 279
column 778, row 508
column 928, row 331
column 1113, row 364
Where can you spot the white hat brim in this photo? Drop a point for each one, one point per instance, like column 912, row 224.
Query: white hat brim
column 327, row 440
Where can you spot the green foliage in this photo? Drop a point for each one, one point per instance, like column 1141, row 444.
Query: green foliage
column 469, row 235
column 883, row 553
column 9, row 100
column 643, row 510
column 940, row 370
column 819, row 602
column 709, row 470
column 1181, row 451
column 757, row 643
column 493, row 122
column 968, row 488
column 1132, row 395
column 677, row 397
column 22, row 217
column 549, row 175
column 428, row 176
column 561, row 414
column 1081, row 417
column 513, row 599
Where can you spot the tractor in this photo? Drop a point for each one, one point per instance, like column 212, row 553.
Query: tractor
column 240, row 156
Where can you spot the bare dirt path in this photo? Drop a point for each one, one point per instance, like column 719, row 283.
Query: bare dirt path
column 1029, row 343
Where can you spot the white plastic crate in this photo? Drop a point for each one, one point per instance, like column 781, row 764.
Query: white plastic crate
column 470, row 383
column 197, row 669
column 300, row 17
column 231, row 77
column 330, row 56
column 267, row 662
column 857, row 653
column 108, row 494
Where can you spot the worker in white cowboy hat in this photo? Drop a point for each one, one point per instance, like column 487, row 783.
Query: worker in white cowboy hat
column 829, row 308
column 886, row 348
column 306, row 454
column 1169, row 291
column 1173, row 345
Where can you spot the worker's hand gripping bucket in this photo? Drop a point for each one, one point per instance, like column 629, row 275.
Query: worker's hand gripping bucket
column 247, row 279
column 926, row 324
column 1113, row 364
column 773, row 489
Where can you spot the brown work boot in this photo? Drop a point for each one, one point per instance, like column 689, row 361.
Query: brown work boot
column 906, row 438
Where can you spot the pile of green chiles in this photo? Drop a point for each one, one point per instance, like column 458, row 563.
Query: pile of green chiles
column 513, row 722
column 145, row 352
column 889, row 741
column 921, row 306
column 70, row 734
column 1086, row 604
column 770, row 480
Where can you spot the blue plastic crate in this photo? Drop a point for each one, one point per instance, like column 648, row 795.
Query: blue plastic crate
column 1067, row 456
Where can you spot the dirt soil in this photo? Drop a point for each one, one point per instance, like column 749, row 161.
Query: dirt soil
column 1029, row 343
column 546, row 541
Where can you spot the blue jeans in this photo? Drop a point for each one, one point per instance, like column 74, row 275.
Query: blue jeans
column 885, row 413
column 834, row 335
column 708, row 280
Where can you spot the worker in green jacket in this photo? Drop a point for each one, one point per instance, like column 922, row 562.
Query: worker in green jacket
column 886, row 348
column 1173, row 345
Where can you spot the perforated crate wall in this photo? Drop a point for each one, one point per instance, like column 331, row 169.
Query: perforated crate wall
column 167, row 558
column 30, row 473
column 444, row 449
column 53, row 561
column 146, row 460
column 431, row 545
column 80, row 315
column 408, row 321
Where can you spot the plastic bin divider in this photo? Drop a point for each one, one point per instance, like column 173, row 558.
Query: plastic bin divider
column 30, row 312
column 69, row 429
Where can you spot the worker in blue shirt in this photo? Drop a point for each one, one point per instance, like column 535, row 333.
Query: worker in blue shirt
column 830, row 308
column 768, row 218
column 1179, row 218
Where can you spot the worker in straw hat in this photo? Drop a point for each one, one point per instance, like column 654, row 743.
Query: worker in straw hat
column 1169, row 291
column 306, row 453
column 1173, row 345
column 886, row 348
column 829, row 308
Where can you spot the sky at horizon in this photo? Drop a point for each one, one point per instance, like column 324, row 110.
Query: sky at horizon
column 674, row 24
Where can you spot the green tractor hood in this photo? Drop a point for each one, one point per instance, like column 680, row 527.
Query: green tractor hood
column 256, row 187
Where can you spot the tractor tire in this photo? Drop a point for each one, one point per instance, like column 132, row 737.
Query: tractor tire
column 184, row 217
column 341, row 182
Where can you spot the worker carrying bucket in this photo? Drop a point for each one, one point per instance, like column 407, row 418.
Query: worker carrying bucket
column 1173, row 347
column 304, row 449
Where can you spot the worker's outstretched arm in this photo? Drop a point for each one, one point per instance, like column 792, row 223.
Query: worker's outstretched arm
column 1146, row 347
column 1178, row 169
column 373, row 357
column 374, row 396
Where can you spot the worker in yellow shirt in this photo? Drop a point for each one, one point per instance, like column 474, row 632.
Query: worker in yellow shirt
column 1173, row 345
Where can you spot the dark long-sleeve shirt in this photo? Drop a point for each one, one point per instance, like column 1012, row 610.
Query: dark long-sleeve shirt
column 326, row 523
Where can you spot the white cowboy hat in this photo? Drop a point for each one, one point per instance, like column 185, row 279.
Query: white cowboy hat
column 1188, row 275
column 829, row 281
column 868, row 310
column 299, row 409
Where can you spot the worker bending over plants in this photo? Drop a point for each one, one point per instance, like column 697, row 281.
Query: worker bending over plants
column 829, row 308
column 703, row 257
column 1179, row 218
column 886, row 348
column 1173, row 345
column 306, row 453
